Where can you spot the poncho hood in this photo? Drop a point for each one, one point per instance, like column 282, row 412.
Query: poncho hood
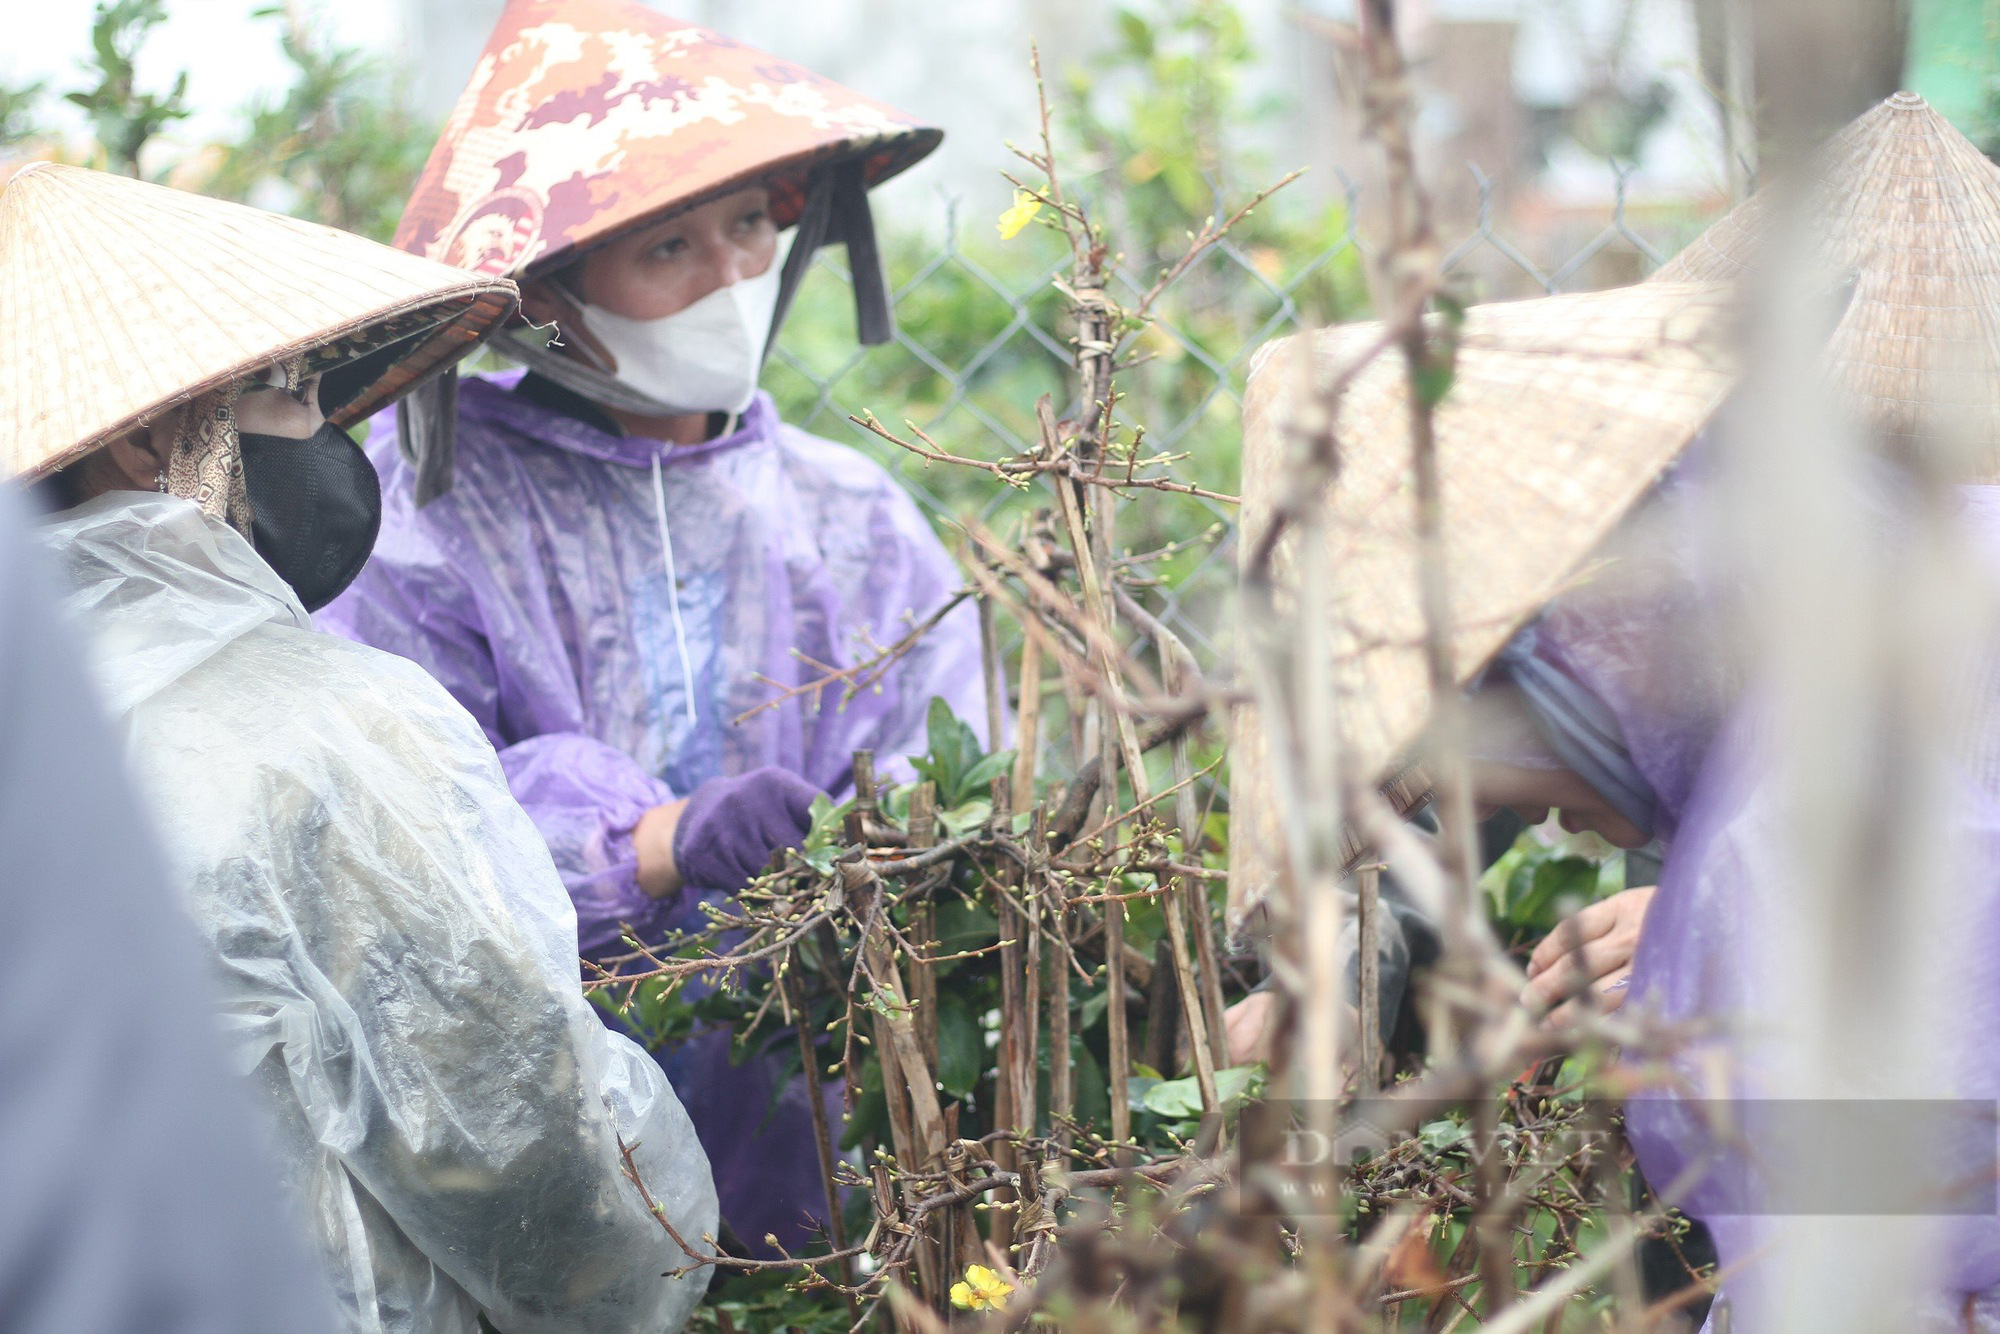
column 165, row 587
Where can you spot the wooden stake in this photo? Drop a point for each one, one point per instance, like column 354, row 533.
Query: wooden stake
column 1370, row 924
column 923, row 924
column 1120, row 718
column 1175, row 665
column 822, row 1133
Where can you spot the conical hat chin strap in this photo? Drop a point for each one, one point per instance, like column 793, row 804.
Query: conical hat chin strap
column 836, row 211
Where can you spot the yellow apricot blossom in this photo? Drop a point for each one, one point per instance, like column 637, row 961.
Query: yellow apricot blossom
column 1026, row 206
column 982, row 1290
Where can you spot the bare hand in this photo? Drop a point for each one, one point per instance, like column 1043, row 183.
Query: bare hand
column 1592, row 947
column 1249, row 1027
column 653, row 841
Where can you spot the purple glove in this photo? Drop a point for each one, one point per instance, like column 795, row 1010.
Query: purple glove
column 732, row 826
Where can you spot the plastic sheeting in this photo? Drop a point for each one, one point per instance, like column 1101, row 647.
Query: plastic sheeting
column 398, row 957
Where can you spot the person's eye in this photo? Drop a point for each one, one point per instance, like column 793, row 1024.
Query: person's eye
column 670, row 247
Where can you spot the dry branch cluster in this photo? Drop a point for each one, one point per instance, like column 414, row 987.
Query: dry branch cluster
column 952, row 947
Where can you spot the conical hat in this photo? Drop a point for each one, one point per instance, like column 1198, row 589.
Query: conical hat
column 1562, row 413
column 584, row 117
column 1907, row 203
column 120, row 299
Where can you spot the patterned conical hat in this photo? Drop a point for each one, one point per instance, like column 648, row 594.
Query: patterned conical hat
column 584, row 117
column 120, row 299
column 1562, row 413
column 1908, row 205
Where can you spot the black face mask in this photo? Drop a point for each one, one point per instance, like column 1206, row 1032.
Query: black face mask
column 316, row 506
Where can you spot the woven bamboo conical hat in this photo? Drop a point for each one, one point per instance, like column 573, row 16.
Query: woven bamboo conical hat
column 1563, row 412
column 120, row 299
column 1906, row 203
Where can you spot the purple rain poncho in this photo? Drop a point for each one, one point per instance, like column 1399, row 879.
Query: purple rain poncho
column 1649, row 648
column 536, row 590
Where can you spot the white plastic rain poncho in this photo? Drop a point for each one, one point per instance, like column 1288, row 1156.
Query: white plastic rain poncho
column 398, row 954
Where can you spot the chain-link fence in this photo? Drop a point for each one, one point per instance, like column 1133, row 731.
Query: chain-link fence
column 981, row 336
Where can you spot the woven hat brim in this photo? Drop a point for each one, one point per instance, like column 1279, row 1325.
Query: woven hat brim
column 1563, row 413
column 1911, row 207
column 120, row 299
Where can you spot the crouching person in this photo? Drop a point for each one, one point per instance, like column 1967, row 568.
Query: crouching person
column 398, row 955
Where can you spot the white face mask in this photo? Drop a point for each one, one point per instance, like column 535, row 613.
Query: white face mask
column 702, row 359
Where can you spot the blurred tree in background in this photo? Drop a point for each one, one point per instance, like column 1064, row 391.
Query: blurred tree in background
column 18, row 106
column 340, row 144
column 122, row 117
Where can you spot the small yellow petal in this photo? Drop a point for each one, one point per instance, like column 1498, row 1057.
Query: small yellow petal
column 1025, row 207
column 961, row 1297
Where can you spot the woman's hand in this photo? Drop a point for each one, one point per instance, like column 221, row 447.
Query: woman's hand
column 653, row 842
column 1251, row 1025
column 725, row 834
column 1593, row 946
column 1248, row 1024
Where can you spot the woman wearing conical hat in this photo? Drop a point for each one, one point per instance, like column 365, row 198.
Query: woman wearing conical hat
column 1637, row 378
column 1907, row 211
column 1619, row 692
column 631, row 559
column 396, row 951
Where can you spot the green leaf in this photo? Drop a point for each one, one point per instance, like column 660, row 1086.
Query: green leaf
column 1175, row 1099
column 963, row 925
column 1093, row 1091
column 1556, row 887
column 961, row 1053
column 979, row 778
column 829, row 824
column 1237, row 1082
column 1093, row 1009
column 966, row 817
column 1139, row 1085
column 1136, row 33
column 1438, row 1136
